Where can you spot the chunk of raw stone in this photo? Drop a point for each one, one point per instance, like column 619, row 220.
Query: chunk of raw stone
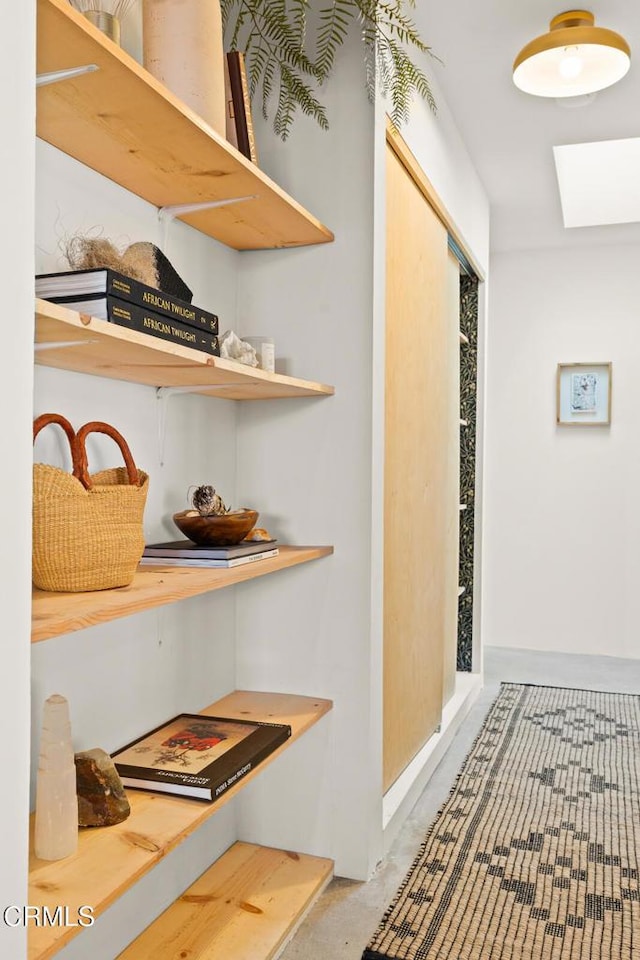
column 101, row 797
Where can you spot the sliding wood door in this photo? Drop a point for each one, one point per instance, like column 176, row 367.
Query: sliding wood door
column 421, row 403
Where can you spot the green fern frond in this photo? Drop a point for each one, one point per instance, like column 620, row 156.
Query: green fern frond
column 285, row 65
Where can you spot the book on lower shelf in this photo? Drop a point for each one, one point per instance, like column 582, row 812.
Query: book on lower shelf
column 197, row 756
column 187, row 549
column 199, row 561
column 87, row 290
column 146, row 321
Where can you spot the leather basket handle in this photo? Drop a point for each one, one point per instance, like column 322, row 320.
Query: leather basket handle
column 45, row 419
column 80, row 466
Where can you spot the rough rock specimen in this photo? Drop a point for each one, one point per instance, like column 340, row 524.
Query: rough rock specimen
column 101, row 797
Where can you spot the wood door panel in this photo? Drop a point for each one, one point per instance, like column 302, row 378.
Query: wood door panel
column 417, row 469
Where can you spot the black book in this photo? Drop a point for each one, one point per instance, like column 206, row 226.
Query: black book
column 137, row 318
column 198, row 756
column 86, row 290
column 187, row 550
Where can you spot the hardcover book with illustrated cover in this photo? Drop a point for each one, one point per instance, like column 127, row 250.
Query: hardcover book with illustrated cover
column 198, row 756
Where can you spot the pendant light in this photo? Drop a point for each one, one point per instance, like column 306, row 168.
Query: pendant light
column 574, row 59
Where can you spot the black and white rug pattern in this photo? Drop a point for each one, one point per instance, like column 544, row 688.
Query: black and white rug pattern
column 536, row 853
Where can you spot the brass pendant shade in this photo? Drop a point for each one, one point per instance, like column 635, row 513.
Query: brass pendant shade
column 574, row 59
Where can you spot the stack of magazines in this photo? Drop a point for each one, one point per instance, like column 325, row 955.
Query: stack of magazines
column 185, row 553
column 111, row 296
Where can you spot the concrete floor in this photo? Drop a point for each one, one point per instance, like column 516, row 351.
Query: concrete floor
column 342, row 922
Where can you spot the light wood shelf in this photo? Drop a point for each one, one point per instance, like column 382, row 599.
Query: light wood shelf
column 245, row 907
column 100, row 348
column 109, row 860
column 54, row 614
column 123, row 123
column 463, row 337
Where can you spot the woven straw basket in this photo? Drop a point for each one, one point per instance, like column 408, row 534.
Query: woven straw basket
column 87, row 530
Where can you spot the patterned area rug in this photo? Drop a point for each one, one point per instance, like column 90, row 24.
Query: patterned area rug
column 536, row 854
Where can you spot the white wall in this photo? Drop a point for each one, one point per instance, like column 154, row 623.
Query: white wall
column 306, row 465
column 561, row 524
column 17, row 68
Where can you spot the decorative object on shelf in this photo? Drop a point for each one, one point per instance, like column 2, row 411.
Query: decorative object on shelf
column 583, row 394
column 233, row 348
column 106, row 15
column 102, row 801
column 215, row 531
column 277, row 42
column 182, row 48
column 211, row 522
column 56, row 833
column 207, row 502
column 259, row 534
column 239, row 120
column 265, row 352
column 87, row 529
column 198, row 756
column 140, row 261
column 574, row 59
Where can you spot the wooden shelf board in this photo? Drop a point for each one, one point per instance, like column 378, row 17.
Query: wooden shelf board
column 123, row 123
column 103, row 349
column 109, row 860
column 245, row 907
column 54, row 614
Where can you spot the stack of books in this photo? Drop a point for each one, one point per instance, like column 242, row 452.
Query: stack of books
column 111, row 296
column 185, row 553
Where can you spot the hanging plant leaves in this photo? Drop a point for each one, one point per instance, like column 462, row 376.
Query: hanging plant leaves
column 287, row 62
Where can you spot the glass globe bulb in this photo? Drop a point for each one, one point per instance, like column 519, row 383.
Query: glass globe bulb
column 571, row 64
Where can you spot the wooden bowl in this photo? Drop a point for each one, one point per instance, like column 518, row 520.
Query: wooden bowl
column 223, row 531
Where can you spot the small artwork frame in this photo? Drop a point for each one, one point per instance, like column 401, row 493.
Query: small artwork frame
column 583, row 394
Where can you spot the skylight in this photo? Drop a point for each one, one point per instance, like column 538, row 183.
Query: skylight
column 599, row 182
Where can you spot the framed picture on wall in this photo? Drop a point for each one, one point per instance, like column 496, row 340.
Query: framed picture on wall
column 583, row 394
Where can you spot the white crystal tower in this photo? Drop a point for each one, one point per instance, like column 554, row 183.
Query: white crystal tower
column 56, row 800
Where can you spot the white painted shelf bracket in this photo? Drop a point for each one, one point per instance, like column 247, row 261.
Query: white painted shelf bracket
column 59, row 344
column 195, row 388
column 169, row 213
column 43, row 79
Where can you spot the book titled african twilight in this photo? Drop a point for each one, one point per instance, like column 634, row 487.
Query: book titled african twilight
column 198, row 756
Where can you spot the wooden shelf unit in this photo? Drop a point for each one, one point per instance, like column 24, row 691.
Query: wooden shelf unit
column 100, row 348
column 126, row 125
column 54, row 614
column 109, row 860
column 247, row 905
column 121, row 122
